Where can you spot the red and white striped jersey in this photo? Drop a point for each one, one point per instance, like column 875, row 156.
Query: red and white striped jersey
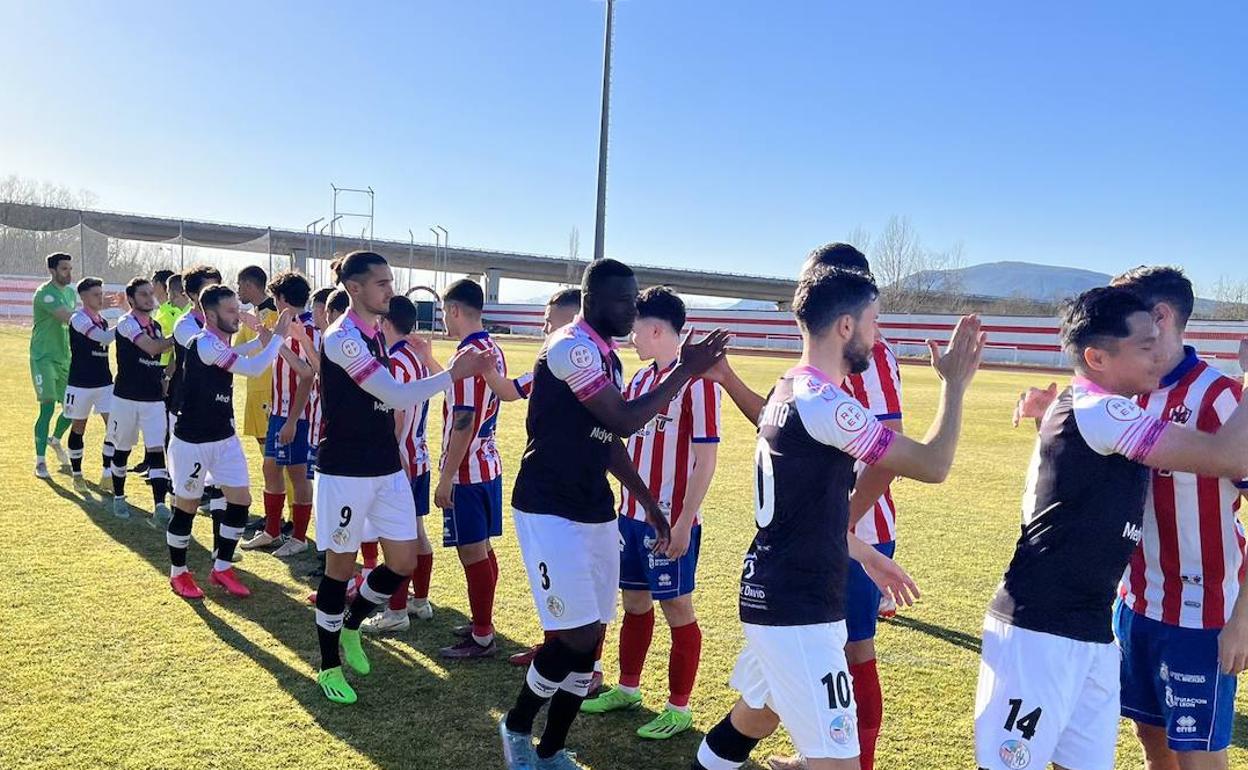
column 285, row 381
column 878, row 389
column 481, row 462
column 662, row 451
column 524, row 384
column 406, row 367
column 1190, row 561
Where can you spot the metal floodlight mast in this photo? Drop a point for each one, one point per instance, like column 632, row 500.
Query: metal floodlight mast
column 600, row 215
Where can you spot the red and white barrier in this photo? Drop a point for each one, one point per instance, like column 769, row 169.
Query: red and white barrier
column 17, row 297
column 1018, row 340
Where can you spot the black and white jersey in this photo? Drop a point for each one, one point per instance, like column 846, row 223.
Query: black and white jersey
column 358, row 435
column 207, row 410
column 564, row 468
column 89, row 338
column 140, row 377
column 809, row 436
column 187, row 327
column 1082, row 512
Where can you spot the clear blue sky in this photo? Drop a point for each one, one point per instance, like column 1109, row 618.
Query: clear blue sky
column 1098, row 135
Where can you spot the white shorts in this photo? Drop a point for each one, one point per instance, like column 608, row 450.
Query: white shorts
column 1045, row 698
column 79, row 402
column 190, row 464
column 800, row 672
column 127, row 418
column 350, row 509
column 573, row 568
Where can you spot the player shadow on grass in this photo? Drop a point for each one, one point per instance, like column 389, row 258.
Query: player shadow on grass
column 1239, row 730
column 956, row 638
column 415, row 710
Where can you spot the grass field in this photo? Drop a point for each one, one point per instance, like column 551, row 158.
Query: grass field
column 103, row 667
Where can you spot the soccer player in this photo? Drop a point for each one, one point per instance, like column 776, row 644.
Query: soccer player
column 90, row 382
column 1049, row 675
column 138, row 400
column 252, row 283
column 360, row 479
column 675, row 455
column 563, row 506
column 470, row 487
column 286, row 447
column 204, row 438
column 195, row 281
column 793, row 669
column 561, row 310
column 878, row 390
column 1181, row 620
column 320, row 317
column 410, row 361
column 173, row 303
column 54, row 302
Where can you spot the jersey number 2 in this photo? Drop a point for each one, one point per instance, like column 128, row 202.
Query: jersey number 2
column 764, row 484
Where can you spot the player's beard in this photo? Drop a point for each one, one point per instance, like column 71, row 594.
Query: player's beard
column 858, row 355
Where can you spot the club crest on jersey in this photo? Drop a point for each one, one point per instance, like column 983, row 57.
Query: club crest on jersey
column 851, row 417
column 1014, row 754
column 351, row 348
column 1121, row 409
column 842, row 730
column 1180, row 414
column 581, row 356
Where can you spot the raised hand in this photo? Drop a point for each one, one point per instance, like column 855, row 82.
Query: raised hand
column 283, row 322
column 1033, row 403
column 249, row 319
column 961, row 358
column 701, row 356
column 296, row 332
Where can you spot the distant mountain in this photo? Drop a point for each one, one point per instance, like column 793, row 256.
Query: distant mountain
column 1026, row 280
column 1041, row 283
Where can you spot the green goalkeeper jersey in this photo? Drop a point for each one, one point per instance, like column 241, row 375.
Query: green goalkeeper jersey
column 49, row 339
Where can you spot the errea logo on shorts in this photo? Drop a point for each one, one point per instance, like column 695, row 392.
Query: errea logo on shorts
column 1185, row 724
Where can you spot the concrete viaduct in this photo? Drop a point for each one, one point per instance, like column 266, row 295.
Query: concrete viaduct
column 492, row 266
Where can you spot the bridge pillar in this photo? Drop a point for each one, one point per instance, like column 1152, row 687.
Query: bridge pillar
column 493, row 278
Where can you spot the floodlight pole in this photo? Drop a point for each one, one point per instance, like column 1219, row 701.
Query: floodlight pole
column 600, row 215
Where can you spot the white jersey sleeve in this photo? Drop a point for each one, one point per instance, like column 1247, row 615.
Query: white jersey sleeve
column 129, row 327
column 579, row 363
column 214, row 352
column 834, row 418
column 1112, row 424
column 185, row 330
column 347, row 348
column 82, row 323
